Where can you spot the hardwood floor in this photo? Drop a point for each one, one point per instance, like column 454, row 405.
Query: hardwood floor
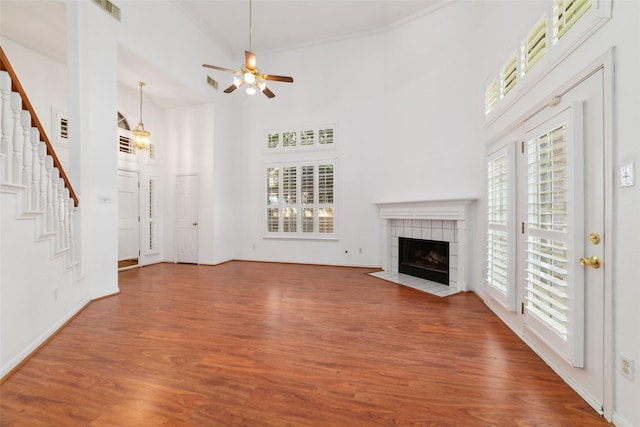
column 258, row 344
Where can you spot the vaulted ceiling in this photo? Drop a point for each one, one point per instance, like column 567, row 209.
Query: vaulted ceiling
column 276, row 26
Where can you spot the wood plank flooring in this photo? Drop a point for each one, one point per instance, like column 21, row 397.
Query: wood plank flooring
column 259, row 344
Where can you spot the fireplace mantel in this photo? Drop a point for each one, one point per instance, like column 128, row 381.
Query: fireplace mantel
column 458, row 210
column 453, row 209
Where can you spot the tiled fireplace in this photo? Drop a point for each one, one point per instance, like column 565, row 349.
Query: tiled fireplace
column 437, row 220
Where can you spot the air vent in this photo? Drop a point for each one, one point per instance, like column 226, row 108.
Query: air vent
column 109, row 7
column 125, row 145
column 212, row 83
column 64, row 128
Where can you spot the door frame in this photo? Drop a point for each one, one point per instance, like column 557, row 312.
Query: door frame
column 604, row 62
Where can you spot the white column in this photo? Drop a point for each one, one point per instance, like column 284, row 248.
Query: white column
column 386, row 245
column 15, row 166
column 463, row 254
column 92, row 37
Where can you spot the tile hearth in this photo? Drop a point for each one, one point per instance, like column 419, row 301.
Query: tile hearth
column 423, row 285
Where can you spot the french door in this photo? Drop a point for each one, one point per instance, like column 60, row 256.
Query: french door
column 562, row 244
column 545, row 234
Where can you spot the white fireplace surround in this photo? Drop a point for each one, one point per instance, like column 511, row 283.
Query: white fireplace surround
column 452, row 216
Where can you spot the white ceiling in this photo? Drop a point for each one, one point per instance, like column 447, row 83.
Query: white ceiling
column 285, row 25
column 276, row 26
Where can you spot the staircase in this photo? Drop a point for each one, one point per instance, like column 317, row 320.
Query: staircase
column 39, row 267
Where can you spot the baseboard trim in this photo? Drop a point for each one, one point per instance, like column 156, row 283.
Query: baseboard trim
column 17, row 362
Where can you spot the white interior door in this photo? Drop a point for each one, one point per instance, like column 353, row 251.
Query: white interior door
column 128, row 216
column 564, row 210
column 187, row 218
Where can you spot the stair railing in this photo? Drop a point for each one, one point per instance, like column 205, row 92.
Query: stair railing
column 35, row 122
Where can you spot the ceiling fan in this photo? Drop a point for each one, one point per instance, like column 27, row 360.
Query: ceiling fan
column 249, row 73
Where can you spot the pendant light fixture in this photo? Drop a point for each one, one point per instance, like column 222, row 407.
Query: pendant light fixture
column 141, row 137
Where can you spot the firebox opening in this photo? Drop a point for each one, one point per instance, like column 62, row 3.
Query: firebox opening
column 427, row 259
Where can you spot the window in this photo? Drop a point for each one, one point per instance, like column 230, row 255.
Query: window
column 491, row 95
column 565, row 14
column 300, row 194
column 501, row 222
column 125, row 145
column 586, row 16
column 509, row 75
column 59, row 126
column 534, row 47
column 300, row 200
column 553, row 281
column 301, row 140
column 547, row 219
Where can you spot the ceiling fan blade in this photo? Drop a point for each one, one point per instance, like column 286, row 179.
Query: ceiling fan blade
column 250, row 60
column 215, row 67
column 272, row 77
column 268, row 92
column 230, row 89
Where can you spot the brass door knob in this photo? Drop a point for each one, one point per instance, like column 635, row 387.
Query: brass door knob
column 594, row 262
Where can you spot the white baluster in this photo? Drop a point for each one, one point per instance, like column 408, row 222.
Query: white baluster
column 60, row 209
column 42, row 180
column 25, row 179
column 63, row 229
column 15, row 168
column 35, row 170
column 70, row 237
column 6, row 124
column 48, row 165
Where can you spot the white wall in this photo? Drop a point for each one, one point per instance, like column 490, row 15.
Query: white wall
column 198, row 136
column 405, row 112
column 431, row 109
column 339, row 84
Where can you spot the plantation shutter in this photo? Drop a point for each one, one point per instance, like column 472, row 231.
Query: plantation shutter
column 500, row 261
column 565, row 14
column 555, row 206
column 492, row 95
column 509, row 74
column 325, row 198
column 534, row 47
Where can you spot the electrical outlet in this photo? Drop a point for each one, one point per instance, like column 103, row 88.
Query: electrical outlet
column 626, row 367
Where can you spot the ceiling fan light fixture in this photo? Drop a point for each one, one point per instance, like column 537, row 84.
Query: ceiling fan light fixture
column 249, row 77
column 249, row 74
